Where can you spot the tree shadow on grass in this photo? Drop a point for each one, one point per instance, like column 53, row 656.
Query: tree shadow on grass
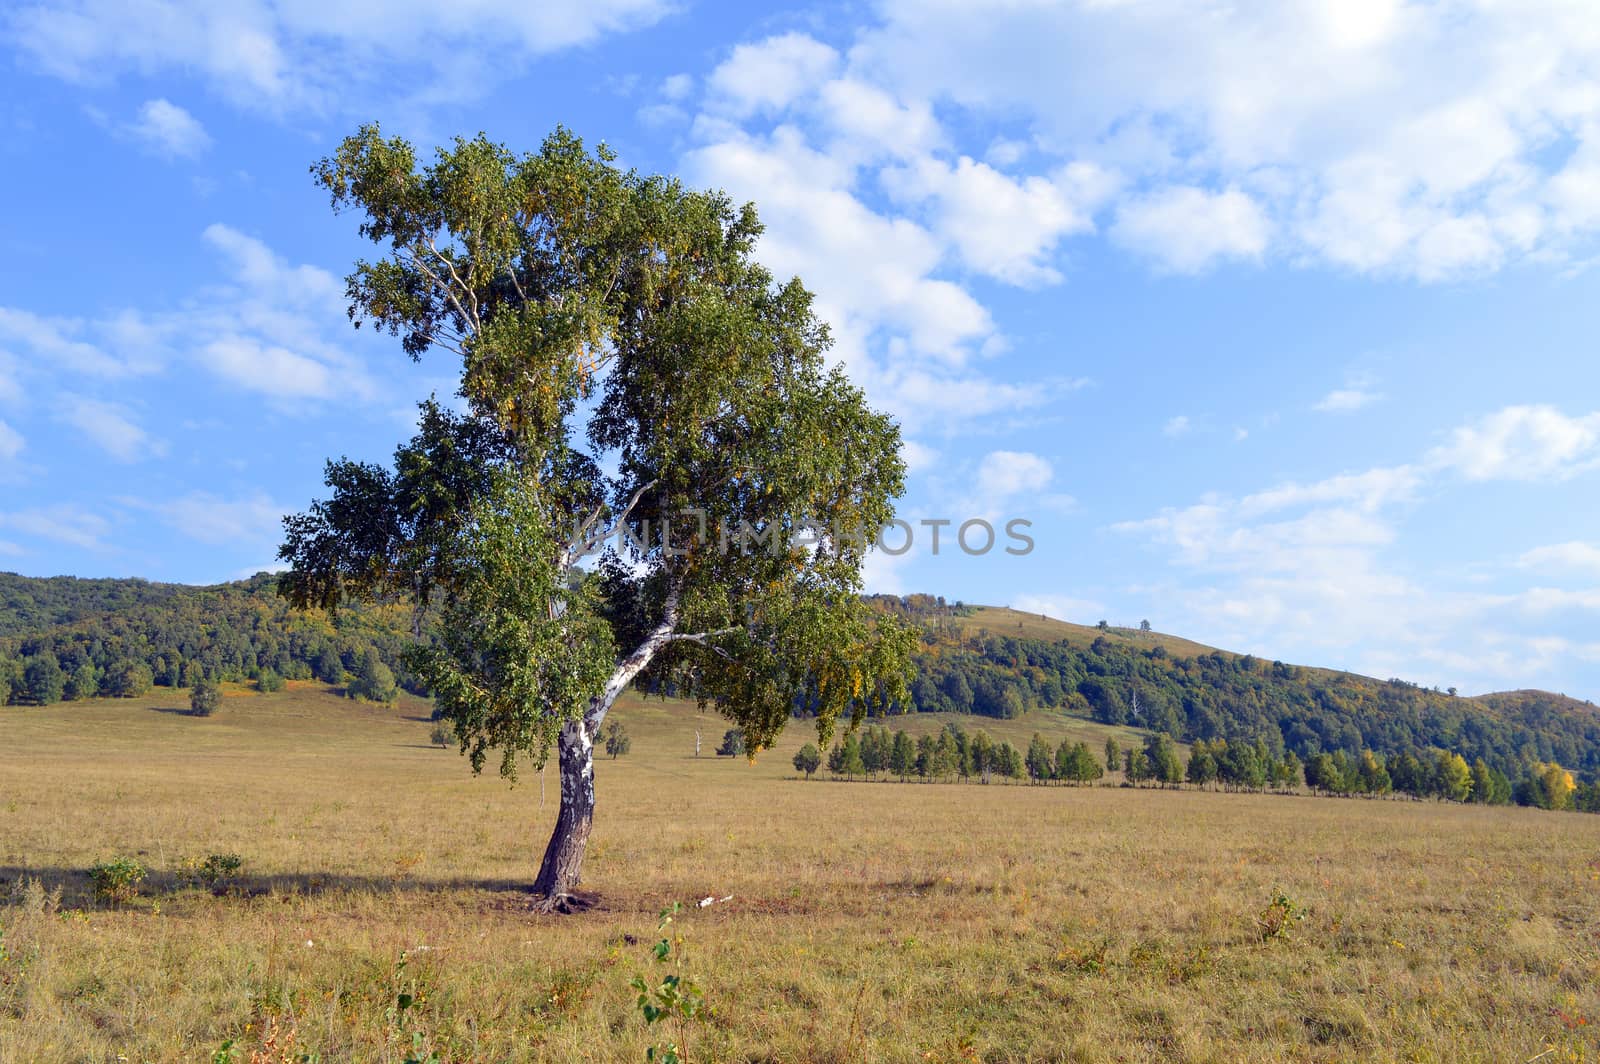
column 166, row 886
column 177, row 711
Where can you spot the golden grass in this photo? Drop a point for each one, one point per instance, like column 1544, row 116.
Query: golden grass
column 1002, row 620
column 869, row 922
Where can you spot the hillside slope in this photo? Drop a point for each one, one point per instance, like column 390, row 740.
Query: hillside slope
column 65, row 638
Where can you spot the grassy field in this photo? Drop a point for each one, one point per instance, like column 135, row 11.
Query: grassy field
column 868, row 922
column 1002, row 620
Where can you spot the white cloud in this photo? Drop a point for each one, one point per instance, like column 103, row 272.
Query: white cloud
column 1005, row 474
column 1522, row 443
column 1305, row 568
column 318, row 56
column 267, row 327
column 771, row 74
column 1002, row 227
column 109, row 426
column 1574, row 556
column 11, row 443
column 58, row 343
column 1346, row 400
column 917, row 457
column 1425, row 140
column 268, row 369
column 63, row 523
column 1185, row 229
column 1176, row 425
column 211, row 518
column 1060, row 607
column 677, row 87
column 168, row 129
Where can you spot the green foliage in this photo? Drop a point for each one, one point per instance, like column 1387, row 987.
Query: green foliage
column 127, row 679
column 42, row 681
column 1205, row 695
column 592, row 306
column 442, row 734
column 205, row 698
column 808, row 759
column 268, row 681
column 845, row 758
column 1162, row 758
column 116, row 882
column 1076, row 763
column 1202, row 766
column 617, row 741
column 374, row 681
column 732, row 744
column 211, row 870
column 1279, row 918
column 1040, row 760
column 673, row 999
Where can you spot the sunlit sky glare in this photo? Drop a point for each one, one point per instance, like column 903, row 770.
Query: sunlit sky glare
column 1278, row 320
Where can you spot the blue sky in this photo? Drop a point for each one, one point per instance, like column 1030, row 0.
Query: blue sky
column 1278, row 321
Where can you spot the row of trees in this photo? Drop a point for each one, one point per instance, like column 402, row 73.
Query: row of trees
column 1239, row 765
column 951, row 754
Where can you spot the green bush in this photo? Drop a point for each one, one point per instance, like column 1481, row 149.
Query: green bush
column 205, row 698
column 269, row 681
column 212, row 869
column 117, row 881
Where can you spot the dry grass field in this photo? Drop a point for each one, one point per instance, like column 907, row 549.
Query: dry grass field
column 868, row 922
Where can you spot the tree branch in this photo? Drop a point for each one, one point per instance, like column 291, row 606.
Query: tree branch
column 585, row 542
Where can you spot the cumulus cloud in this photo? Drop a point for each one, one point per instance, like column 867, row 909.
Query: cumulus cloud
column 1000, row 226
column 167, row 129
column 1060, row 607
column 109, row 426
column 770, row 74
column 1305, row 567
column 64, row 523
column 1346, row 400
column 1522, row 443
column 211, row 518
column 266, row 327
column 1183, row 229
column 1177, row 425
column 1574, row 557
column 313, row 56
column 1425, row 140
column 11, row 443
column 1005, row 474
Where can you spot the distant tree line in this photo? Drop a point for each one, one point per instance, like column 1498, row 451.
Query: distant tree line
column 956, row 755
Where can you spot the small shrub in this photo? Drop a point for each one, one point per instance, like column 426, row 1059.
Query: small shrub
column 732, row 743
column 117, row 882
column 1280, row 916
column 269, row 681
column 675, row 999
column 617, row 740
column 442, row 734
column 212, row 869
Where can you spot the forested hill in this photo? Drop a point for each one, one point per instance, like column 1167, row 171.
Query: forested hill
column 999, row 662
column 65, row 638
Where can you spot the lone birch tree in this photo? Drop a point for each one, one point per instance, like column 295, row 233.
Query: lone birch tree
column 626, row 368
